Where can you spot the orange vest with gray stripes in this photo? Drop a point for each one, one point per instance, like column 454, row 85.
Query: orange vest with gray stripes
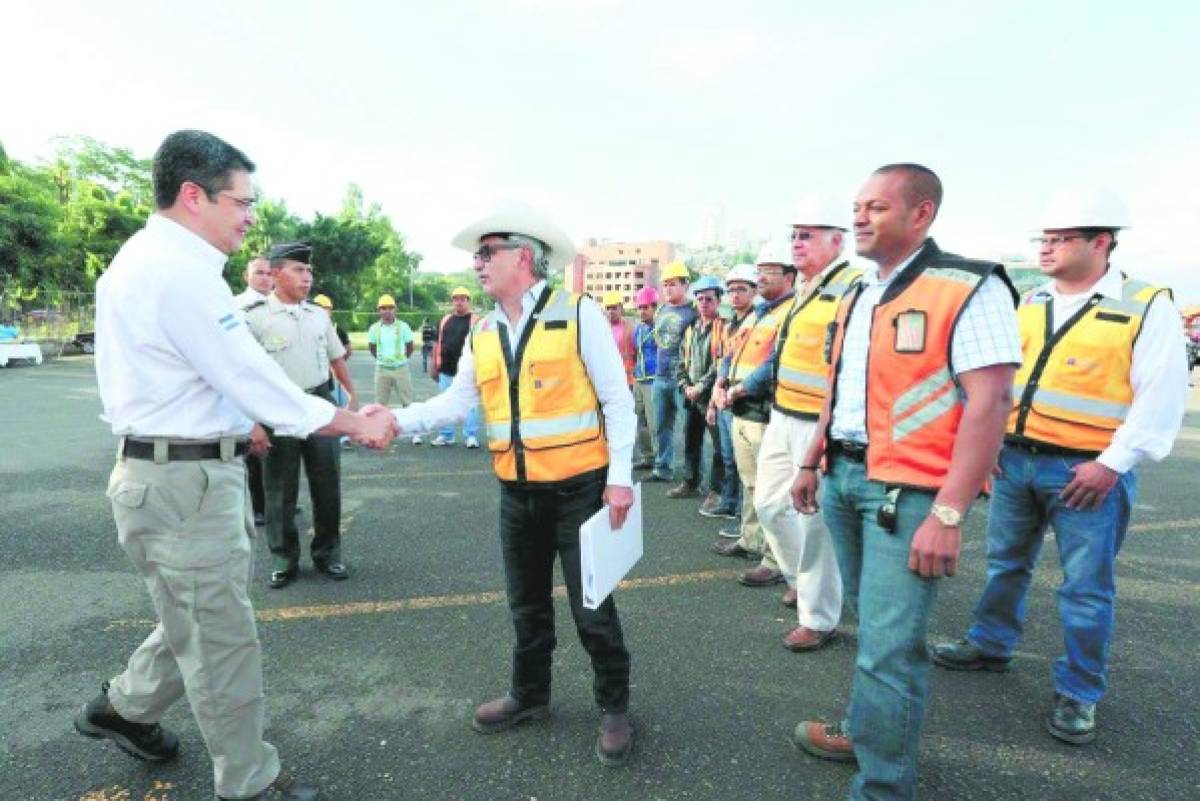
column 1073, row 389
column 543, row 419
column 801, row 372
column 914, row 403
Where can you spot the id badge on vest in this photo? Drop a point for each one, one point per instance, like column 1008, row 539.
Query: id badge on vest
column 910, row 331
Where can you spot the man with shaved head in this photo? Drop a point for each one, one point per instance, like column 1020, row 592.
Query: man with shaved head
column 922, row 356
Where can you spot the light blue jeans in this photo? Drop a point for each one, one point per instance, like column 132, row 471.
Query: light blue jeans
column 731, row 487
column 1024, row 503
column 470, row 425
column 887, row 700
column 668, row 402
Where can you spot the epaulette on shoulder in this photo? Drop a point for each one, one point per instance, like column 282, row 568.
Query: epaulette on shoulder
column 254, row 305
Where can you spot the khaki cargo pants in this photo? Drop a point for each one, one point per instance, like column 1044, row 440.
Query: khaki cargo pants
column 393, row 379
column 186, row 526
column 747, row 440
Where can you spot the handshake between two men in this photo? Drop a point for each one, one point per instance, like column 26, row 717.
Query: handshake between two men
column 372, row 426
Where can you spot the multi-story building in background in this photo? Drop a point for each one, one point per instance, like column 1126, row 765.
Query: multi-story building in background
column 623, row 267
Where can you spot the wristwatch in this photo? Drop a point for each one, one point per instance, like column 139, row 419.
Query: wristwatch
column 948, row 516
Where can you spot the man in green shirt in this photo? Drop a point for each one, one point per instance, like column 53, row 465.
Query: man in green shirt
column 391, row 343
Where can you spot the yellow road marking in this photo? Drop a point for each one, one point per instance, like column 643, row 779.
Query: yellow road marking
column 322, row 611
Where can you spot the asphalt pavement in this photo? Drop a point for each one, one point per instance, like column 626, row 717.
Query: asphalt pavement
column 371, row 682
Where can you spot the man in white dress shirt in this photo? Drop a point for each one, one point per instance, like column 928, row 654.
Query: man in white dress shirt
column 560, row 425
column 181, row 379
column 1103, row 386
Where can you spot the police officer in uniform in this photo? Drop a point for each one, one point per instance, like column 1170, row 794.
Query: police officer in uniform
column 300, row 337
column 560, row 426
column 180, row 380
column 258, row 286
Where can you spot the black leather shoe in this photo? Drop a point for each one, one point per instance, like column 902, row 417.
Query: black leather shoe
column 147, row 741
column 964, row 655
column 335, row 570
column 285, row 788
column 1072, row 721
column 282, row 578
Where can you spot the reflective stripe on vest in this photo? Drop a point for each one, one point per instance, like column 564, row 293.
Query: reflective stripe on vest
column 558, row 431
column 913, row 402
column 755, row 340
column 801, row 379
column 1073, row 388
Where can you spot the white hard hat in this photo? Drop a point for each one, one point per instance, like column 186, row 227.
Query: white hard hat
column 1085, row 207
column 742, row 272
column 775, row 252
column 512, row 217
column 821, row 211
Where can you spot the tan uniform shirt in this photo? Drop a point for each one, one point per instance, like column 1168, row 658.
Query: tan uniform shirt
column 300, row 337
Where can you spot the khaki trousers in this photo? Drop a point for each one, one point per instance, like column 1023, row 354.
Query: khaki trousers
column 747, row 440
column 186, row 526
column 393, row 379
column 643, row 407
column 800, row 542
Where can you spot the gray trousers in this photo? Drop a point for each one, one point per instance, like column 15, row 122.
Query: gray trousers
column 643, row 406
column 186, row 526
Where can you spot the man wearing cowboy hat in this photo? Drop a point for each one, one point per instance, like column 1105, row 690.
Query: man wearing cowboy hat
column 560, row 425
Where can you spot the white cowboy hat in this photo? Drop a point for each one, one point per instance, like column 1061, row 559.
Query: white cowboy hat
column 512, row 217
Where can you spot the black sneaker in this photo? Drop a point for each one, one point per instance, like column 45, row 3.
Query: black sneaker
column 1072, row 721
column 148, row 741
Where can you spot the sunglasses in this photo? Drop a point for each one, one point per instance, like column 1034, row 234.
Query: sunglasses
column 485, row 252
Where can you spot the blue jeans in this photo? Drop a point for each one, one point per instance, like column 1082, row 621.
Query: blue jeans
column 731, row 487
column 668, row 401
column 887, row 700
column 470, row 425
column 1024, row 503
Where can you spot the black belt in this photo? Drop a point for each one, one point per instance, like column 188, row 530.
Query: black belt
column 850, row 450
column 319, row 388
column 179, row 452
column 1043, row 449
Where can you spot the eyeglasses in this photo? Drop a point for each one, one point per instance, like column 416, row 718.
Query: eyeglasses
column 770, row 271
column 485, row 252
column 706, row 299
column 740, row 288
column 244, row 203
column 1054, row 241
column 801, row 236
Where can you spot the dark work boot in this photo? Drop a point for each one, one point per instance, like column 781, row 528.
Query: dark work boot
column 147, row 741
column 284, row 788
column 964, row 655
column 504, row 713
column 1072, row 721
column 615, row 741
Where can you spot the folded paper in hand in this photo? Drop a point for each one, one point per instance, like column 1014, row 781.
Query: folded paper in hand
column 606, row 556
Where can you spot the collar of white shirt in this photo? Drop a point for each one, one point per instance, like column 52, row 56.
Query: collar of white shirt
column 178, row 236
column 871, row 277
column 1110, row 285
column 528, row 301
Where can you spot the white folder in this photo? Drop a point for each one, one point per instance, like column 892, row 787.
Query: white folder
column 606, row 556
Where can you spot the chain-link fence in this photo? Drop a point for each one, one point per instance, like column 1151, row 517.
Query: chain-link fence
column 59, row 322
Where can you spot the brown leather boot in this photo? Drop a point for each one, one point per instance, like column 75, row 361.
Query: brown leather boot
column 615, row 741
column 802, row 638
column 824, row 740
column 504, row 713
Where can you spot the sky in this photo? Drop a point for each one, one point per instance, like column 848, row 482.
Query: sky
column 629, row 119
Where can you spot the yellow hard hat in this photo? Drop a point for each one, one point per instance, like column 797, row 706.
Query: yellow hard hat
column 612, row 298
column 385, row 300
column 323, row 301
column 461, row 292
column 676, row 269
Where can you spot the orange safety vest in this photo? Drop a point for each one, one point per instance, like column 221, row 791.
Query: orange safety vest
column 1073, row 389
column 437, row 350
column 754, row 341
column 914, row 403
column 801, row 372
column 543, row 419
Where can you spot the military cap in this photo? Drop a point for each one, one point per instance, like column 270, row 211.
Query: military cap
column 292, row 251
